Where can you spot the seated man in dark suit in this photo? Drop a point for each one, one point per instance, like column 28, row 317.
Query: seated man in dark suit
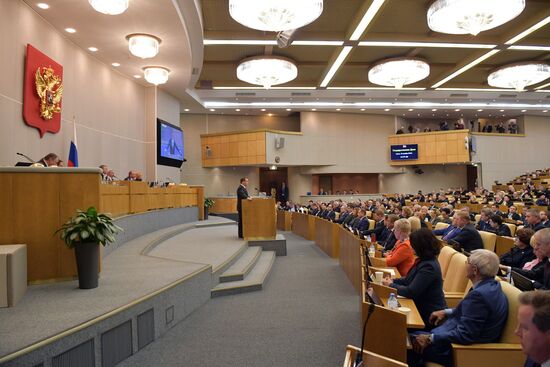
column 379, row 227
column 541, row 240
column 522, row 252
column 389, row 237
column 513, row 215
column 485, row 216
column 532, row 219
column 468, row 238
column 362, row 224
column 479, row 318
column 448, row 233
column 344, row 212
column 498, row 227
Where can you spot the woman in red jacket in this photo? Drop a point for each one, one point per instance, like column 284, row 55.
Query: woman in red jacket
column 402, row 255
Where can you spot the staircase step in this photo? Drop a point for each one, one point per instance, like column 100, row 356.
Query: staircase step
column 252, row 282
column 243, row 266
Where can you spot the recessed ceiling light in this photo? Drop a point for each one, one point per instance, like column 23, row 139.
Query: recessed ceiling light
column 70, row 30
column 212, row 110
column 270, row 114
column 289, row 109
column 115, row 64
column 43, row 6
column 411, row 109
column 237, row 109
column 479, row 110
column 263, row 109
column 314, row 109
column 362, row 109
column 92, row 49
column 457, row 109
column 338, row 109
column 109, row 7
column 501, row 110
column 387, row 109
column 137, row 76
column 434, row 109
column 186, row 109
column 523, row 110
column 544, row 111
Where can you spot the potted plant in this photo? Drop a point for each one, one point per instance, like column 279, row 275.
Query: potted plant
column 208, row 203
column 85, row 232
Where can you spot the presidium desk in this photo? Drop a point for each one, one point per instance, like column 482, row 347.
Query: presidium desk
column 35, row 202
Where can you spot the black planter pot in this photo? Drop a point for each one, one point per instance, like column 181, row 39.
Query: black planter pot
column 87, row 263
column 205, row 213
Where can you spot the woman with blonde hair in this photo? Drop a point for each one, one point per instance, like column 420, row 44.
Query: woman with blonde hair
column 402, row 255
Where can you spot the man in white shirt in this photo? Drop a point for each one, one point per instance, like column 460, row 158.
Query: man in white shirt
column 534, row 327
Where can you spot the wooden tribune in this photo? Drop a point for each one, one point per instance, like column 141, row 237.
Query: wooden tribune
column 259, row 219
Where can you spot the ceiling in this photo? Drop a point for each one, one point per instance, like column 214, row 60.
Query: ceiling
column 349, row 89
column 203, row 72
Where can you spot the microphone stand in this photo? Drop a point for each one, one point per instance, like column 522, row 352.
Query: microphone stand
column 27, row 157
column 359, row 359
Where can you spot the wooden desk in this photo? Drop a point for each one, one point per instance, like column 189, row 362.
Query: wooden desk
column 223, row 204
column 303, row 225
column 326, row 236
column 350, row 256
column 259, row 219
column 284, row 220
column 369, row 358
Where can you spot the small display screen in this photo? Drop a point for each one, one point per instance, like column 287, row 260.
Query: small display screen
column 171, row 142
column 404, row 152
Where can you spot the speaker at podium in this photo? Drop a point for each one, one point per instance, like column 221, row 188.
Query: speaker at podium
column 259, row 219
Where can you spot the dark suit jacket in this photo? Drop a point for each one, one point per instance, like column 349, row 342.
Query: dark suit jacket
column 517, row 257
column 424, row 284
column 362, row 225
column 479, row 318
column 389, row 243
column 342, row 217
column 536, row 273
column 484, row 226
column 283, row 194
column 331, row 215
column 377, row 230
column 469, row 238
column 242, row 193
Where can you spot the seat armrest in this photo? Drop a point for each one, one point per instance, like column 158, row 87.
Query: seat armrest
column 488, row 355
column 453, row 298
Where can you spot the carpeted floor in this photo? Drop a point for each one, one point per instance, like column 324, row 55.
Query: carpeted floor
column 305, row 316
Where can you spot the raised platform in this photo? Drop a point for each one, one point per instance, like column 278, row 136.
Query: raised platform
column 149, row 282
column 278, row 245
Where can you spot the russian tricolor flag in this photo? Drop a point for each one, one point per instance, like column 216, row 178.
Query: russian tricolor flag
column 73, row 152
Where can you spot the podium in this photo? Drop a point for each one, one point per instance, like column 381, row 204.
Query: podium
column 259, row 217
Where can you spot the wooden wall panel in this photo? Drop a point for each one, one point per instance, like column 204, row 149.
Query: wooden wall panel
column 435, row 147
column 234, row 149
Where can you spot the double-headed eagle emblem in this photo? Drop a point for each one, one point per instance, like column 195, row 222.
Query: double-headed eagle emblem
column 50, row 90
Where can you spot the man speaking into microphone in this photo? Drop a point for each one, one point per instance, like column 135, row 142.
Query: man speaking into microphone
column 242, row 194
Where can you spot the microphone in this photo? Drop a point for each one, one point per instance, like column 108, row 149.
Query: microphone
column 26, row 156
column 359, row 359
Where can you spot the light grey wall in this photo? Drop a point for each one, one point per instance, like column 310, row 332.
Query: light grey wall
column 505, row 157
column 433, row 178
column 109, row 108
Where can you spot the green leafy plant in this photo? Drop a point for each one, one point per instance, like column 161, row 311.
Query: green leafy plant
column 89, row 226
column 208, row 203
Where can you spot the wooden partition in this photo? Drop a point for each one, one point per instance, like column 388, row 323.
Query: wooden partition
column 326, row 236
column 233, row 148
column 435, row 147
column 224, row 204
column 350, row 256
column 284, row 220
column 370, row 359
column 34, row 203
column 259, row 219
column 303, row 225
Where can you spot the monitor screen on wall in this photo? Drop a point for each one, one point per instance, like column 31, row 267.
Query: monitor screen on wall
column 169, row 144
column 404, row 152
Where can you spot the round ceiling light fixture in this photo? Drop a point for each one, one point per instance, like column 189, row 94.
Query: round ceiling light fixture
column 109, row 7
column 275, row 15
column 398, row 72
column 471, row 16
column 143, row 45
column 519, row 75
column 267, row 70
column 156, row 74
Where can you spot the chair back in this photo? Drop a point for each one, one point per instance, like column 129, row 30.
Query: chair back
column 444, row 259
column 512, row 228
column 477, row 218
column 440, row 225
column 336, row 216
column 372, row 224
column 489, row 240
column 368, row 214
column 456, row 280
column 415, row 223
column 512, row 294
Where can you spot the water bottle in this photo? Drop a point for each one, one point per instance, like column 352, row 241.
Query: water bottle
column 392, row 302
column 372, row 250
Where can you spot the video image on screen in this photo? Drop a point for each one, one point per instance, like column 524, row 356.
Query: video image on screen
column 171, row 142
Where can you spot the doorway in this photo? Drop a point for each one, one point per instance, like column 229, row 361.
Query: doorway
column 471, row 177
column 272, row 179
